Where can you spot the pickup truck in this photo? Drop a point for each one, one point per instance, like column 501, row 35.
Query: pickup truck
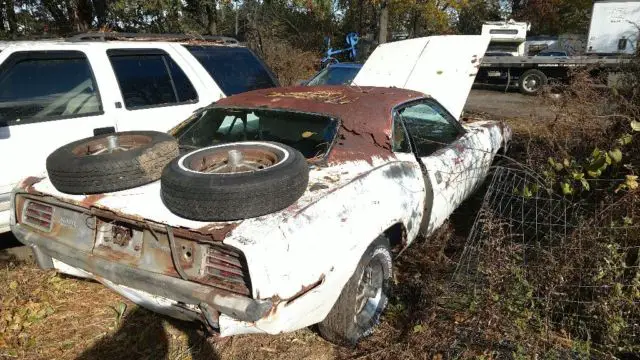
column 53, row 92
column 273, row 209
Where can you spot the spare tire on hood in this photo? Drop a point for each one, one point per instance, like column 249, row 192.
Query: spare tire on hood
column 111, row 162
column 234, row 181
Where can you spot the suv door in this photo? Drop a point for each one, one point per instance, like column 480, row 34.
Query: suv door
column 156, row 91
column 47, row 98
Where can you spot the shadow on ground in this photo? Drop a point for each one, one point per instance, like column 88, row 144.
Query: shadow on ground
column 11, row 250
column 144, row 335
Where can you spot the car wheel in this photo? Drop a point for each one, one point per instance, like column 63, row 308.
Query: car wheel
column 532, row 81
column 363, row 298
column 111, row 162
column 234, row 181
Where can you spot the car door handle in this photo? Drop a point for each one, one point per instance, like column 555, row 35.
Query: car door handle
column 104, row 130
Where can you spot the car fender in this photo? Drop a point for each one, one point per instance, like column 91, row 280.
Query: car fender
column 303, row 266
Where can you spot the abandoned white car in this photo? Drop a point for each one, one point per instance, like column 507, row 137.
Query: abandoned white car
column 277, row 209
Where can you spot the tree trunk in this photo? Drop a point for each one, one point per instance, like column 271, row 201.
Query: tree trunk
column 82, row 15
column 2, row 17
column 237, row 8
column 59, row 16
column 360, row 11
column 100, row 6
column 383, row 23
column 212, row 21
column 11, row 16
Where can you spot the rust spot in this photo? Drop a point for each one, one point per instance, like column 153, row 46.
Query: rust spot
column 304, row 290
column 325, row 96
column 318, row 186
column 217, row 232
column 29, row 182
column 90, row 200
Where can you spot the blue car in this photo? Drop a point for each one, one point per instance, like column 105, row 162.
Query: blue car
column 335, row 74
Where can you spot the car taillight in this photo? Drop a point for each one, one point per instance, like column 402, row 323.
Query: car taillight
column 38, row 215
column 226, row 268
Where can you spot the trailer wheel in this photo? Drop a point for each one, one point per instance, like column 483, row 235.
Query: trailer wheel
column 532, row 81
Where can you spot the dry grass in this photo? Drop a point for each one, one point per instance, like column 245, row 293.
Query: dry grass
column 45, row 316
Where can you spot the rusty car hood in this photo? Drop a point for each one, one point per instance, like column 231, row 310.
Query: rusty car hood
column 443, row 67
column 144, row 203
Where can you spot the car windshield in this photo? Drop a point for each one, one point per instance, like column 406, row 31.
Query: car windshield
column 335, row 76
column 311, row 134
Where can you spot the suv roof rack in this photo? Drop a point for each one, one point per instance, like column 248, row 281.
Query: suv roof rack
column 107, row 36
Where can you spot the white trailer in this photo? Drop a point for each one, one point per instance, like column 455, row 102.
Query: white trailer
column 507, row 37
column 614, row 28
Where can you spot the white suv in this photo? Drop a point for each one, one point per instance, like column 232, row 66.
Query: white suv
column 55, row 92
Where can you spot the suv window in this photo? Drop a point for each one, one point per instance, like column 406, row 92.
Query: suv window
column 149, row 78
column 41, row 86
column 234, row 69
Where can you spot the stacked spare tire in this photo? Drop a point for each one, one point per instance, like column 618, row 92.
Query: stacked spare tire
column 223, row 182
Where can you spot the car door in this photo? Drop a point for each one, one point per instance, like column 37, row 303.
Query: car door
column 442, row 145
column 157, row 92
column 48, row 97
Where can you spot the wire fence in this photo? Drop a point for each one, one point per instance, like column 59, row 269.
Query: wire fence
column 568, row 269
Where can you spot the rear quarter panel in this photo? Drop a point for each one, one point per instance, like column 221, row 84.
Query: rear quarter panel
column 323, row 242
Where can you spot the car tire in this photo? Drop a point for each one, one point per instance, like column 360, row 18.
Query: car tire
column 205, row 184
column 348, row 321
column 111, row 162
column 532, row 81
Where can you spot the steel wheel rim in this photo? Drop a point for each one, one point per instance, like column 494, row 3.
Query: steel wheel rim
column 531, row 83
column 234, row 161
column 369, row 296
column 111, row 144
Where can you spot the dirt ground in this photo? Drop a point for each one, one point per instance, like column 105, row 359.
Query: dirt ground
column 45, row 316
column 500, row 105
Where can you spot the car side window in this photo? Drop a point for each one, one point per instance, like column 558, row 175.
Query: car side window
column 400, row 141
column 429, row 126
column 149, row 78
column 38, row 86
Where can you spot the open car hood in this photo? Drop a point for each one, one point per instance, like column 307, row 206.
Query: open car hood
column 443, row 67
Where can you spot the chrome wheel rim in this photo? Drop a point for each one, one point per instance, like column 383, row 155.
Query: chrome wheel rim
column 234, row 161
column 111, row 144
column 369, row 296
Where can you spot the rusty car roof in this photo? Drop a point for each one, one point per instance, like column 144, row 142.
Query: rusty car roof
column 364, row 112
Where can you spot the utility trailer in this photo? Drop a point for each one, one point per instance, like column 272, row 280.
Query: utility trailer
column 531, row 73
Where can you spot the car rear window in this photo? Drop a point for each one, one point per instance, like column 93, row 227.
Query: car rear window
column 310, row 134
column 234, row 69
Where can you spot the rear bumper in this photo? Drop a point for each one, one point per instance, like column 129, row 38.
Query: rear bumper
column 190, row 297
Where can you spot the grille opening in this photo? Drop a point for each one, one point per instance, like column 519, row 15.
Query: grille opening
column 38, row 215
